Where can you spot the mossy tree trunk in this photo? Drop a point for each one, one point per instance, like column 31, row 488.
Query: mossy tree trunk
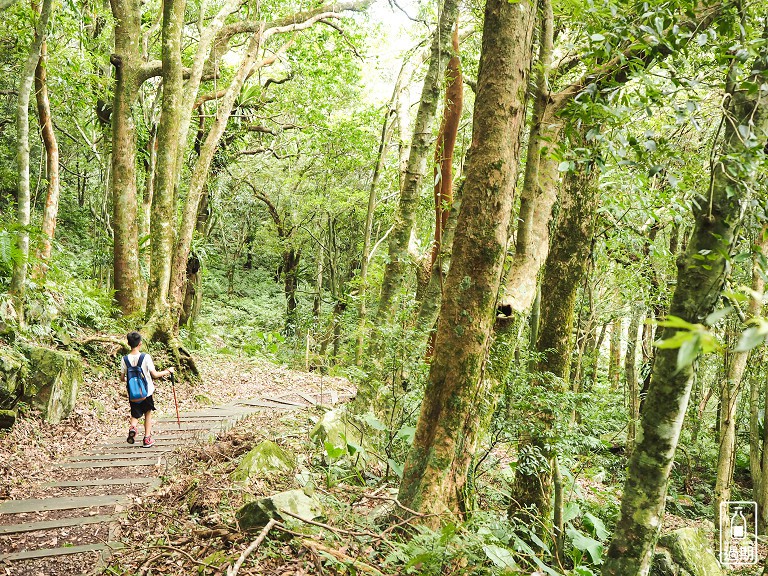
column 129, row 75
column 563, row 274
column 758, row 441
column 614, row 363
column 23, row 196
column 630, row 369
column 717, row 213
column 435, row 472
column 731, row 387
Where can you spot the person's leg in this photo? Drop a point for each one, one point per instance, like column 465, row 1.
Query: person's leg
column 133, row 428
column 148, row 423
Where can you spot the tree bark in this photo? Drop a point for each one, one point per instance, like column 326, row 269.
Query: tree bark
column 23, row 199
column 161, row 323
column 396, row 271
column 51, row 210
column 435, row 471
column 758, row 454
column 127, row 62
column 614, row 364
column 716, row 214
column 729, row 394
column 630, row 369
column 563, row 274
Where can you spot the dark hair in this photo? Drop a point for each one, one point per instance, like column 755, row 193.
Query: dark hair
column 134, row 339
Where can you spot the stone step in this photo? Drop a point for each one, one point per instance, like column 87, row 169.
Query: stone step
column 48, row 552
column 54, row 524
column 63, row 503
column 150, row 482
column 148, row 461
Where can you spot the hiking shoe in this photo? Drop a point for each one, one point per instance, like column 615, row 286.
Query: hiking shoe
column 131, row 435
column 148, row 441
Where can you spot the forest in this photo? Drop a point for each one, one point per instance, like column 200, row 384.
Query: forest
column 448, row 287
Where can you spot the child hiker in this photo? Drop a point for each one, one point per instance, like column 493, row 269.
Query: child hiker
column 138, row 370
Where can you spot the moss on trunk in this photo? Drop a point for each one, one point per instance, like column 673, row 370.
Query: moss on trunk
column 435, row 472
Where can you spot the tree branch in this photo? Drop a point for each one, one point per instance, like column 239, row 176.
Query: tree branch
column 619, row 68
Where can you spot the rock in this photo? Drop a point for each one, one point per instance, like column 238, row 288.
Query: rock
column 255, row 515
column 52, row 382
column 7, row 418
column 13, row 368
column 688, row 551
column 263, row 461
column 663, row 565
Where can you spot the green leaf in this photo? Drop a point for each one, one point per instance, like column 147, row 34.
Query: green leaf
column 750, row 338
column 687, row 353
column 586, row 544
column 406, row 433
column 501, row 557
column 717, row 315
column 570, row 511
column 597, row 525
column 597, row 37
column 373, row 422
column 676, row 322
column 396, row 468
column 678, row 339
column 564, row 166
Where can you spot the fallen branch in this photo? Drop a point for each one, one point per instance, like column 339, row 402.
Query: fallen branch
column 329, row 527
column 255, row 544
column 397, row 503
column 359, row 565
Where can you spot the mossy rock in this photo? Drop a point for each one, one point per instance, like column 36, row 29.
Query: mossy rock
column 7, row 418
column 689, row 550
column 204, row 399
column 255, row 515
column 265, row 460
column 13, row 369
column 53, row 381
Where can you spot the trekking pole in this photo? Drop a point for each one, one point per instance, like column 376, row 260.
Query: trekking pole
column 176, row 402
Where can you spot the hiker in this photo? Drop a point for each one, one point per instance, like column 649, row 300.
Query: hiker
column 138, row 369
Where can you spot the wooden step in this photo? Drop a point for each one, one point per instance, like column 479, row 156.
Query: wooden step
column 149, row 461
column 54, row 524
column 63, row 503
column 48, row 552
column 150, row 482
column 122, row 454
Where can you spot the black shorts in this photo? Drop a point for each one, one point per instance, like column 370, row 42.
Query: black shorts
column 138, row 409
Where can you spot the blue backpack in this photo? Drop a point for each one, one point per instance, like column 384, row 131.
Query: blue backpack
column 135, row 381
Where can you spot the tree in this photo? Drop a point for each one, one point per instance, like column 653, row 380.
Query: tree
column 18, row 282
column 717, row 213
column 435, row 471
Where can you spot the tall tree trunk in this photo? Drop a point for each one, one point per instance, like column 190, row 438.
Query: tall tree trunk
column 161, row 322
column 630, row 369
column 563, row 274
column 396, row 271
column 758, row 442
column 19, row 278
column 717, row 214
column 128, row 76
column 291, row 258
column 145, row 222
column 362, row 312
column 51, row 210
column 731, row 387
column 614, row 357
column 435, row 471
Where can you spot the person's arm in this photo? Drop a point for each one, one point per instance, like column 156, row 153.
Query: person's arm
column 162, row 373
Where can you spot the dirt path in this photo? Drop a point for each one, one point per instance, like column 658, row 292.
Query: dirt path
column 61, row 517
